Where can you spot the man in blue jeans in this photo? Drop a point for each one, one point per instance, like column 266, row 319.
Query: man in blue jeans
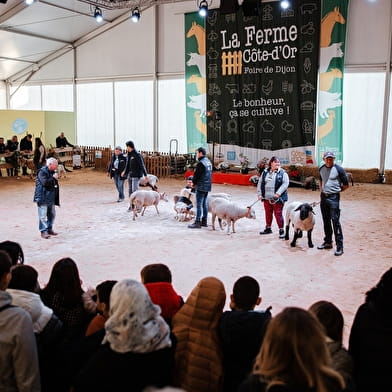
column 47, row 196
column 333, row 180
column 202, row 182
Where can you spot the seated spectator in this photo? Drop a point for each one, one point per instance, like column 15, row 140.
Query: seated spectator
column 14, row 250
column 137, row 351
column 331, row 318
column 370, row 342
column 18, row 353
column 64, row 294
column 24, row 289
column 103, row 295
column 293, row 357
column 242, row 331
column 195, row 325
column 158, row 281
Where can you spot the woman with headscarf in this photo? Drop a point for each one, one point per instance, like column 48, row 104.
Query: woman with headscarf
column 137, row 349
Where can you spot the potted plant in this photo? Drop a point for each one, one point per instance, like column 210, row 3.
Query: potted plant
column 244, row 162
column 294, row 173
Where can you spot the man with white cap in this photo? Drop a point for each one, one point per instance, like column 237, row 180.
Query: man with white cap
column 333, row 180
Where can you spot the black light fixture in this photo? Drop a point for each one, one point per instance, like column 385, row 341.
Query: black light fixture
column 284, row 4
column 98, row 15
column 135, row 16
column 203, row 8
column 251, row 7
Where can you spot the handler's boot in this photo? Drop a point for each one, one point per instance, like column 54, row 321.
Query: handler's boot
column 195, row 225
column 204, row 222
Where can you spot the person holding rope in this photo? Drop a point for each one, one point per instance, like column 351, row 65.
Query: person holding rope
column 272, row 191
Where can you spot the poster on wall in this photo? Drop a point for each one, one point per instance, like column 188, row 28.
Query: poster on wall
column 262, row 80
column 332, row 49
column 195, row 79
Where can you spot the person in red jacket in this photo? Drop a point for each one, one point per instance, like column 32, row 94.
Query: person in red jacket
column 157, row 279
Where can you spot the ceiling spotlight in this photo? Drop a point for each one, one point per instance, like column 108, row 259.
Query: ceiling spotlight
column 285, row 4
column 203, row 8
column 98, row 15
column 29, row 2
column 135, row 17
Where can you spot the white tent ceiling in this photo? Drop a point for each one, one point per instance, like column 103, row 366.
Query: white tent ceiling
column 32, row 35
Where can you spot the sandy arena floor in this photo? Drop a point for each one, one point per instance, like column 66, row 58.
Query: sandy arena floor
column 99, row 234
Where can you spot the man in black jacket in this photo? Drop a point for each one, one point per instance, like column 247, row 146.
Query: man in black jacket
column 202, row 180
column 134, row 168
column 116, row 167
column 61, row 141
column 46, row 196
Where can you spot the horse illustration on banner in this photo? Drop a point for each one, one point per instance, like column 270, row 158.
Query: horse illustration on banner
column 327, row 24
column 199, row 33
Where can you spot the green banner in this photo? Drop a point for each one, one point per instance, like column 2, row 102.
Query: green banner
column 195, row 77
column 332, row 49
column 262, row 79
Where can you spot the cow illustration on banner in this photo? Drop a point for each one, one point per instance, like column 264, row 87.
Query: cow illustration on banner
column 195, row 76
column 330, row 100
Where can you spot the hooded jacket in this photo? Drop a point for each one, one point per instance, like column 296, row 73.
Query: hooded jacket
column 198, row 354
column 18, row 352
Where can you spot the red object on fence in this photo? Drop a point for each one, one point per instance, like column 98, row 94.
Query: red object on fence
column 227, row 178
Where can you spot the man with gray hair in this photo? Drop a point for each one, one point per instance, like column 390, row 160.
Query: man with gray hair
column 47, row 196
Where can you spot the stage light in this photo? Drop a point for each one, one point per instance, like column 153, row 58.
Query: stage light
column 203, row 8
column 29, row 2
column 285, row 4
column 98, row 15
column 135, row 16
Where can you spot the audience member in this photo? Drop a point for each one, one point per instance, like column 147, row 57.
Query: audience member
column 24, row 289
column 293, row 357
column 370, row 341
column 195, row 325
column 241, row 332
column 331, row 318
column 18, row 354
column 103, row 296
column 137, row 350
column 26, row 148
column 158, row 281
column 14, row 250
column 64, row 294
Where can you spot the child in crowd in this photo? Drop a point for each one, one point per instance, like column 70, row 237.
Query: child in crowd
column 331, row 318
column 158, row 281
column 242, row 331
column 103, row 295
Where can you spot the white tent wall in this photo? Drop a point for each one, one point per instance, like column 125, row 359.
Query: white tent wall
column 152, row 52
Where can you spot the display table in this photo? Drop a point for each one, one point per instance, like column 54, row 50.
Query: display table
column 227, row 178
